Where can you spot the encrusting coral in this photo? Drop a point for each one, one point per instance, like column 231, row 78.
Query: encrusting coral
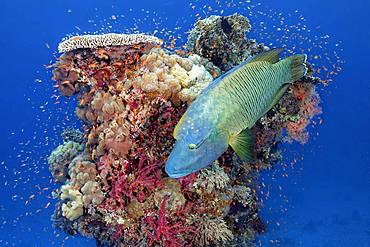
column 131, row 94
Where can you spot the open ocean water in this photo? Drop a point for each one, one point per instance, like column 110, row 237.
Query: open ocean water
column 323, row 200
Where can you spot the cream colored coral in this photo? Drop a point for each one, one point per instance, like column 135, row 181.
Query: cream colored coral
column 92, row 194
column 72, row 208
column 106, row 106
column 104, row 40
column 181, row 75
column 166, row 75
column 199, row 78
column 81, row 171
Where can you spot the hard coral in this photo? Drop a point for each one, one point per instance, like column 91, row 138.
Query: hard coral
column 222, row 40
column 72, row 208
column 60, row 159
column 104, row 40
column 212, row 179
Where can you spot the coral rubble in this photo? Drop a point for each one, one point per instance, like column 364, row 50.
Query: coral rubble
column 131, row 93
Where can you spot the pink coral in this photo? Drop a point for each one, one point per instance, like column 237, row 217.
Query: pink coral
column 162, row 231
column 297, row 130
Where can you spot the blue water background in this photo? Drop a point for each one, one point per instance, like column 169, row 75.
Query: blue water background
column 324, row 201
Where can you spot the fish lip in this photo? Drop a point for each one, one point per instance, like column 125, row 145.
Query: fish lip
column 178, row 174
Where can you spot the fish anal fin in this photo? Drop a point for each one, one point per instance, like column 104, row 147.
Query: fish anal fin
column 271, row 56
column 243, row 145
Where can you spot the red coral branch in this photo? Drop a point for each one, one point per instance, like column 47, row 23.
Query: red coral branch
column 162, row 231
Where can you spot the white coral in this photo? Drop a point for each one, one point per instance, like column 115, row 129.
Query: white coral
column 103, row 40
column 199, row 78
column 72, row 208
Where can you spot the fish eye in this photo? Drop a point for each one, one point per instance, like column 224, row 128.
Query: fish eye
column 192, row 146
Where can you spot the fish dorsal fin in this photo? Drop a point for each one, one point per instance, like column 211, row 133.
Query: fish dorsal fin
column 243, row 145
column 271, row 56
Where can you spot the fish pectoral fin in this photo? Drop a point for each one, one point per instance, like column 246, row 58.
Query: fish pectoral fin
column 243, row 145
column 276, row 98
column 178, row 127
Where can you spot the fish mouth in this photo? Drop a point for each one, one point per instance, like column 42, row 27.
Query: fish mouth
column 177, row 174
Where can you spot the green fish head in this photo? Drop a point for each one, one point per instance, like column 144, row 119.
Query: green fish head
column 188, row 157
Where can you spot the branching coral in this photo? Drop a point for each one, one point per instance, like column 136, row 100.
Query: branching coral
column 160, row 230
column 212, row 179
column 212, row 232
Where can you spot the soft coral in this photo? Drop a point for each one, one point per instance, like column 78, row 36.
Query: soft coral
column 162, row 231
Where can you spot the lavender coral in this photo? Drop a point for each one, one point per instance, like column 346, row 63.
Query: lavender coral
column 130, row 97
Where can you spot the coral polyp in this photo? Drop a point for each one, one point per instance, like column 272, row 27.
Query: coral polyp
column 131, row 93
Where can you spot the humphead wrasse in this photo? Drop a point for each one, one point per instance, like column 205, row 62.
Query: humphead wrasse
column 224, row 113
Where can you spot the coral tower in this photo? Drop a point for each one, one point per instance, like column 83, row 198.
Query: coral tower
column 131, row 93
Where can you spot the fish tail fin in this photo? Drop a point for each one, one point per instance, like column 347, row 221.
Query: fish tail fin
column 298, row 67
